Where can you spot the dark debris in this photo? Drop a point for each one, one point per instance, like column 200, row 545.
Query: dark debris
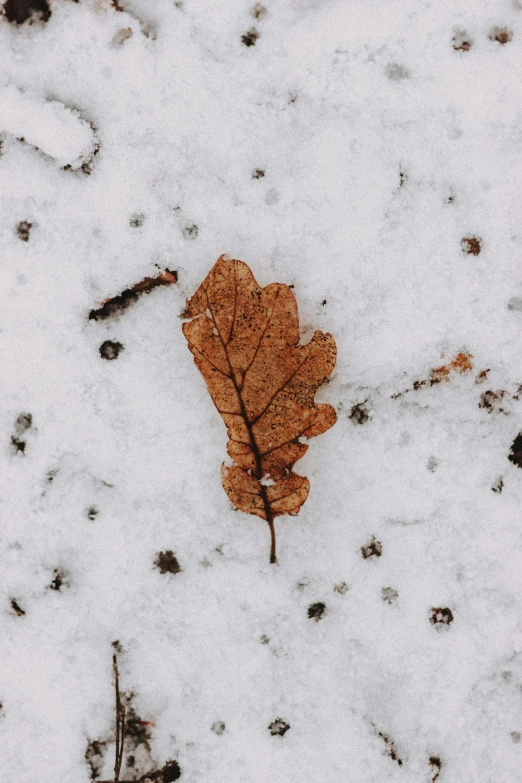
column 316, row 611
column 441, row 616
column 250, row 38
column 167, row 562
column 23, row 230
column 515, row 454
column 278, row 727
column 372, row 549
column 110, row 350
column 20, row 11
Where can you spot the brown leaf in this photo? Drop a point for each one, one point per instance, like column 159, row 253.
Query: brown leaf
column 245, row 343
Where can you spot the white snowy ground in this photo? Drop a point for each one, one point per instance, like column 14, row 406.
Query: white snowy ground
column 382, row 147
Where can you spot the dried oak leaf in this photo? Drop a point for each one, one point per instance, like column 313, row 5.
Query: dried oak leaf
column 245, row 341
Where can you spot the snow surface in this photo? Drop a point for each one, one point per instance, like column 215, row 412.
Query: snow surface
column 47, row 125
column 382, row 147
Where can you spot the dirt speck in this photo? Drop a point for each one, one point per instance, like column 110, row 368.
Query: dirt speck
column 432, row 464
column 359, row 413
column 391, row 748
column 218, row 727
column 258, row 173
column 58, row 581
column 372, row 549
column 498, row 485
column 471, row 245
column 167, row 774
column 190, row 231
column 462, row 42
column 110, row 350
column 436, row 766
column 17, row 609
column 316, row 611
column 278, row 727
column 17, row 445
column 258, row 11
column 92, row 513
column 137, row 220
column 20, row 11
column 389, row 595
column 94, row 756
column 167, row 562
column 250, row 38
column 502, row 35
column 23, row 230
column 23, row 422
column 441, row 616
column 341, row 588
column 490, row 400
column 515, row 454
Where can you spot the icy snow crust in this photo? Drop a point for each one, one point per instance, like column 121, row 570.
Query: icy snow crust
column 382, row 146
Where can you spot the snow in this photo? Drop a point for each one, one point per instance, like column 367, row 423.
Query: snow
column 382, row 147
column 47, row 125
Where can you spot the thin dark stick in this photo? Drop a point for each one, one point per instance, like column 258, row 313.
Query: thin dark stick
column 273, row 558
column 120, row 721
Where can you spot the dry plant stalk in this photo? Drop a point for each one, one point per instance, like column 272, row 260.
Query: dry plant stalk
column 170, row 771
column 245, row 342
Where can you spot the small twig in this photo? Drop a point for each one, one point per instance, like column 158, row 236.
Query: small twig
column 117, row 304
column 156, row 776
column 120, row 720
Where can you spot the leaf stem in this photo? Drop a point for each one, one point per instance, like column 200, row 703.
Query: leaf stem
column 273, row 558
